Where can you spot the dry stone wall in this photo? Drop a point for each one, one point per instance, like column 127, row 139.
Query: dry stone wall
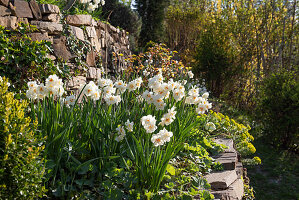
column 105, row 39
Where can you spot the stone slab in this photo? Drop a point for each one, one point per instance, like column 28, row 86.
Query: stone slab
column 234, row 192
column 4, row 11
column 60, row 49
column 22, row 9
column 35, row 10
column 91, row 32
column 4, row 2
column 78, row 32
column 51, row 17
column 227, row 142
column 11, row 22
column 40, row 37
column 79, row 20
column 239, row 169
column 227, row 159
column 91, row 61
column 49, row 9
column 221, row 180
column 50, row 27
column 76, row 81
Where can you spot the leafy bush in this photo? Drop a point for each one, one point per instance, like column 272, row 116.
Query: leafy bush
column 279, row 108
column 21, row 166
column 23, row 59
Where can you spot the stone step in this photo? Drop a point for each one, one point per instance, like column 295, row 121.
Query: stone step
column 221, row 180
column 227, row 142
column 227, row 159
column 234, row 192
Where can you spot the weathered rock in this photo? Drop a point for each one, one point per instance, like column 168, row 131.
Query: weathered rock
column 78, row 32
column 101, row 25
column 4, row 11
column 11, row 22
column 50, row 27
column 76, row 81
column 79, row 20
column 234, row 192
column 91, row 32
column 60, row 49
column 90, row 61
column 40, row 37
column 221, row 180
column 227, row 142
column 22, row 9
column 95, row 43
column 51, row 17
column 239, row 169
column 228, row 160
column 4, row 2
column 12, row 8
column 51, row 57
column 35, row 10
column 112, row 28
column 49, row 9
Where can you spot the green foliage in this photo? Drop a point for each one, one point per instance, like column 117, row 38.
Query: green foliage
column 23, row 59
column 121, row 15
column 214, row 61
column 21, row 166
column 279, row 108
column 238, row 132
column 152, row 16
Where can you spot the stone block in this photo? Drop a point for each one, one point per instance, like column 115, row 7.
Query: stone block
column 79, row 20
column 40, row 37
column 101, row 25
column 35, row 10
column 11, row 22
column 91, row 32
column 92, row 73
column 221, row 180
column 228, row 160
column 227, row 142
column 112, row 29
column 4, row 2
column 60, row 49
column 91, row 59
column 96, row 44
column 239, row 169
column 78, row 32
column 51, row 17
column 49, row 9
column 50, row 27
column 22, row 9
column 234, row 192
column 4, row 11
column 76, row 82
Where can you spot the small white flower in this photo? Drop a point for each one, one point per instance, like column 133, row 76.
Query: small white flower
column 210, row 126
column 129, row 125
column 190, row 74
column 157, row 140
column 149, row 123
column 205, row 95
column 165, row 135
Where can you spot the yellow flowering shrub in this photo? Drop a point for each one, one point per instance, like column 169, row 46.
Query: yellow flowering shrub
column 21, row 168
column 238, row 132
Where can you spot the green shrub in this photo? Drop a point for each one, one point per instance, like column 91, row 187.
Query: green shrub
column 21, row 58
column 279, row 108
column 21, row 168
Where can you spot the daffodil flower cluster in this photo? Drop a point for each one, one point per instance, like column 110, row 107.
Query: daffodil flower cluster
column 92, row 5
column 53, row 87
column 121, row 132
column 162, row 137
